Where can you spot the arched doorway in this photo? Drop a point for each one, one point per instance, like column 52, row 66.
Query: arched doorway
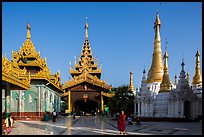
column 89, row 106
column 187, row 109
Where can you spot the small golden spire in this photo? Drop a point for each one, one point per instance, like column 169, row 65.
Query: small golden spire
column 165, row 86
column 197, row 78
column 131, row 86
column 86, row 28
column 28, row 31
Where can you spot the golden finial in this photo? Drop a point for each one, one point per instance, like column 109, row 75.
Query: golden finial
column 197, row 78
column 28, row 31
column 86, row 28
column 157, row 21
column 165, row 54
column 131, row 86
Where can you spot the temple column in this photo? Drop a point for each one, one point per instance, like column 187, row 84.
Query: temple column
column 40, row 100
column 151, row 108
column 177, row 106
column 142, row 109
column 19, row 102
column 69, row 101
column 8, row 98
column 172, row 108
column 102, row 103
column 139, row 105
column 182, row 110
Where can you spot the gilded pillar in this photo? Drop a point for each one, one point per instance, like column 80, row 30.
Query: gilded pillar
column 102, row 103
column 69, row 101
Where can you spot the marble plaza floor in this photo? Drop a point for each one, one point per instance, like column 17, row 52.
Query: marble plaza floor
column 94, row 125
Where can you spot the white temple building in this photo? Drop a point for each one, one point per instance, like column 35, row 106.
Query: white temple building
column 159, row 98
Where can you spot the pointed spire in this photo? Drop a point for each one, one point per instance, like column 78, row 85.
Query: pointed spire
column 175, row 80
column 182, row 65
column 131, row 86
column 165, row 86
column 70, row 64
column 197, row 78
column 86, row 28
column 28, row 31
column 74, row 59
column 188, row 77
column 157, row 25
column 155, row 72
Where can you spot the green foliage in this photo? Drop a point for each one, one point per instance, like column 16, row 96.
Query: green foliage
column 123, row 100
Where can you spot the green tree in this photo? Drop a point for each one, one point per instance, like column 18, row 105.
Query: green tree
column 123, row 100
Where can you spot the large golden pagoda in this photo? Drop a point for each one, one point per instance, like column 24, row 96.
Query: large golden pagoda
column 197, row 78
column 166, row 85
column 155, row 72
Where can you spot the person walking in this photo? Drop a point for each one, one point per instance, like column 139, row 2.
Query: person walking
column 121, row 123
column 9, row 124
column 54, row 114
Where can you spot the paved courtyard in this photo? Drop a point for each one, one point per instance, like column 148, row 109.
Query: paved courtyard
column 90, row 125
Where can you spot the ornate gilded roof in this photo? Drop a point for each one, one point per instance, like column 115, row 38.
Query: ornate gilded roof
column 29, row 59
column 197, row 78
column 86, row 77
column 11, row 73
column 86, row 61
column 155, row 73
column 27, row 55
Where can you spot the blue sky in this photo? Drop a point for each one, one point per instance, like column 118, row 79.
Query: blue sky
column 121, row 34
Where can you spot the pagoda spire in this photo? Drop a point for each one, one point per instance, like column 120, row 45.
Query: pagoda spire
column 175, row 80
column 155, row 73
column 166, row 82
column 86, row 28
column 28, row 31
column 197, row 78
column 131, row 86
column 86, row 62
column 188, row 77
